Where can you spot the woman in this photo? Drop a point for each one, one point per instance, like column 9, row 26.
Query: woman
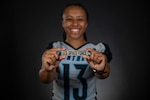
column 73, row 65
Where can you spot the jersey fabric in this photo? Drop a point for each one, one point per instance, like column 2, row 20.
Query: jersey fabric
column 75, row 80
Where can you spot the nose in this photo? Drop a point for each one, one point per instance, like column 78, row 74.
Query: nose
column 75, row 22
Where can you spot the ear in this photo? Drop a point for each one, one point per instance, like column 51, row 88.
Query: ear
column 86, row 25
column 62, row 23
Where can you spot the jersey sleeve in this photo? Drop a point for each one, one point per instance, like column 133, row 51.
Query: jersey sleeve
column 105, row 49
column 55, row 44
column 50, row 45
column 107, row 52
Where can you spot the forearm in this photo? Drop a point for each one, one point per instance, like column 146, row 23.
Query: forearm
column 47, row 76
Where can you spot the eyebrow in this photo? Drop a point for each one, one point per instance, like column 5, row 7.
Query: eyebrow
column 77, row 16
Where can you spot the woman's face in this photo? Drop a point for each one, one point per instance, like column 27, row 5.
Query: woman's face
column 74, row 22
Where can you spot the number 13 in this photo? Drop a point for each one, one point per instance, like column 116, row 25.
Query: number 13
column 82, row 69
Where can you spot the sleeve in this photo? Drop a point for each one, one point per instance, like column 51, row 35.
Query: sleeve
column 54, row 44
column 107, row 52
column 104, row 48
column 50, row 45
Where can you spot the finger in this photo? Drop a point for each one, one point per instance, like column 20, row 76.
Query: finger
column 53, row 58
column 91, row 64
column 57, row 52
column 62, row 57
column 99, row 60
column 98, row 57
column 86, row 57
column 95, row 58
column 92, row 52
column 91, row 57
column 89, row 49
column 54, row 50
column 49, row 67
column 49, row 61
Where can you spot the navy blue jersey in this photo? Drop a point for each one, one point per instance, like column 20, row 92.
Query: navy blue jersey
column 75, row 80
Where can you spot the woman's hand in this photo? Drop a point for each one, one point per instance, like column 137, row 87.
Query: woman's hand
column 51, row 59
column 96, row 59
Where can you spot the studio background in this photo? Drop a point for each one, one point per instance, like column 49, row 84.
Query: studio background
column 120, row 24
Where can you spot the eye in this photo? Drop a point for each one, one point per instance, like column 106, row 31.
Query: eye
column 80, row 19
column 69, row 19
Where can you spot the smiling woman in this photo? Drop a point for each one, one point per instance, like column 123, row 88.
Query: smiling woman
column 74, row 75
column 75, row 18
column 74, row 22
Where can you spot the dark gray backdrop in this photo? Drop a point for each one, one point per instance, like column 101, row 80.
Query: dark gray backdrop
column 33, row 24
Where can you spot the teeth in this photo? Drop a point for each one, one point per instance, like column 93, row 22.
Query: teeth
column 75, row 30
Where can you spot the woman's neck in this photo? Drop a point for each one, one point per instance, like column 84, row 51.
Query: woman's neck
column 76, row 43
